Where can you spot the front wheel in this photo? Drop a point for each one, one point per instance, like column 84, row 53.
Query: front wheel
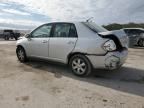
column 21, row 55
column 80, row 65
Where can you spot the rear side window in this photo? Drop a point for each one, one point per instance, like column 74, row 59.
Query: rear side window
column 61, row 30
column 64, row 30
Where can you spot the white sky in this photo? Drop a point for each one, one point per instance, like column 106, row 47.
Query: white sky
column 103, row 11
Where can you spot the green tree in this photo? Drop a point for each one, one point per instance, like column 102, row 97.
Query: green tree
column 116, row 26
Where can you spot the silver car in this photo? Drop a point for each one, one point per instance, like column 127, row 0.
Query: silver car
column 82, row 45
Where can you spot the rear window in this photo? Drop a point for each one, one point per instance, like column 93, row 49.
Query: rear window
column 94, row 27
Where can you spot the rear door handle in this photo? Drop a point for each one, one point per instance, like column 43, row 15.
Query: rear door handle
column 70, row 42
column 44, row 41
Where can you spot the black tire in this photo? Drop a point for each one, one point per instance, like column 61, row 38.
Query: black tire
column 21, row 55
column 16, row 38
column 87, row 68
column 141, row 43
column 6, row 38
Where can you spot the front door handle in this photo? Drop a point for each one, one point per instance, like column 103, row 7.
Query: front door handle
column 44, row 41
column 70, row 42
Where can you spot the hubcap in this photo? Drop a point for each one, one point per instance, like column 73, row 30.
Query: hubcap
column 79, row 66
column 21, row 54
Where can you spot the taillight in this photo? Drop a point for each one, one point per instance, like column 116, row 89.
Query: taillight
column 109, row 45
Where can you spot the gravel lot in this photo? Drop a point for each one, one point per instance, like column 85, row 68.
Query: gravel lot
column 38, row 84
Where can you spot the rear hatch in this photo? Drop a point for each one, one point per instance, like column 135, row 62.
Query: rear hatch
column 120, row 34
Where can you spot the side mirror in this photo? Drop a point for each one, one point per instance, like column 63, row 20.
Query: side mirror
column 27, row 35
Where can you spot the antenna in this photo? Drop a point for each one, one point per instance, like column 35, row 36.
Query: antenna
column 89, row 19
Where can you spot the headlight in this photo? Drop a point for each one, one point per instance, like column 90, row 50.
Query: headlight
column 109, row 45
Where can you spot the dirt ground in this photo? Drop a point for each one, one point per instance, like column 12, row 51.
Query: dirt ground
column 38, row 84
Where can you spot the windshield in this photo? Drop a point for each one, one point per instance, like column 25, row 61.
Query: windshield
column 93, row 26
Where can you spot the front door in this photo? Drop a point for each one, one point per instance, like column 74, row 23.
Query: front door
column 38, row 41
column 63, row 41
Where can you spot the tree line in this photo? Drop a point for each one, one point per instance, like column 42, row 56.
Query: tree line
column 116, row 26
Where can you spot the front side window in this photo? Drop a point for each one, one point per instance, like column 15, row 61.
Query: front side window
column 61, row 30
column 42, row 32
column 126, row 31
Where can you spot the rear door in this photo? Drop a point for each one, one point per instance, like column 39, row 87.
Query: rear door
column 63, row 41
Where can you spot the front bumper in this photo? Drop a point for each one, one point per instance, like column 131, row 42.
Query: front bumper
column 110, row 61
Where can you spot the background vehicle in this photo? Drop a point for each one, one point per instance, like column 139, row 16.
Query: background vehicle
column 10, row 34
column 82, row 45
column 136, row 36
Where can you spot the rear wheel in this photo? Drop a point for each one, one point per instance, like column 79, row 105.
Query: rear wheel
column 141, row 43
column 80, row 65
column 21, row 55
column 6, row 37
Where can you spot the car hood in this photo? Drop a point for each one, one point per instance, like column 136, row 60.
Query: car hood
column 120, row 34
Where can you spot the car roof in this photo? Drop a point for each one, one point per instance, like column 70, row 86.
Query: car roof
column 63, row 22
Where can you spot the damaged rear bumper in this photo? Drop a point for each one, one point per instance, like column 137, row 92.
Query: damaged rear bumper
column 110, row 61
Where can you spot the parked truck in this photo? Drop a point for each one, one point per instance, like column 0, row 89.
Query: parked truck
column 10, row 34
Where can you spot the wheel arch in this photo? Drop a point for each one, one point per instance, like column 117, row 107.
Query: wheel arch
column 21, row 47
column 75, row 53
column 72, row 54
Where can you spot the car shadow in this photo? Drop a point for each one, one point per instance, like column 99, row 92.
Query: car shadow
column 126, row 79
